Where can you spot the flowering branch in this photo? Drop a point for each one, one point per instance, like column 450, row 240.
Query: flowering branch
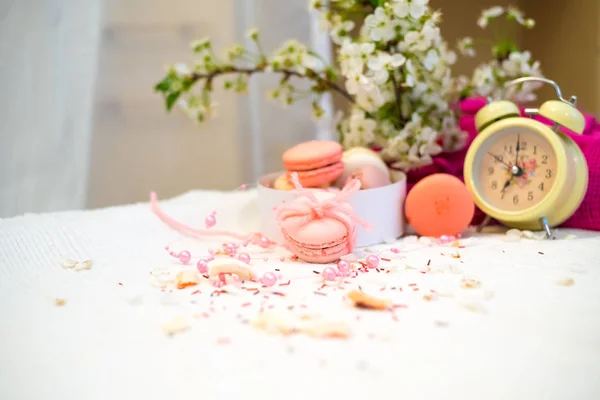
column 323, row 84
column 507, row 61
column 397, row 71
column 291, row 60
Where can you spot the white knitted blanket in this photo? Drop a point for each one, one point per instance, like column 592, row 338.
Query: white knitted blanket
column 495, row 319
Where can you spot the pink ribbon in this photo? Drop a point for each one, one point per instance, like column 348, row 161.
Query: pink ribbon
column 332, row 207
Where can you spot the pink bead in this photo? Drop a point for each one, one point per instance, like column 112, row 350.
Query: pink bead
column 268, row 279
column 202, row 265
column 266, row 259
column 328, row 274
column 244, row 257
column 394, row 250
column 218, row 284
column 445, row 239
column 343, row 267
column 372, row 261
column 264, row 242
column 185, row 257
column 231, row 249
column 282, row 259
column 243, row 187
column 211, row 220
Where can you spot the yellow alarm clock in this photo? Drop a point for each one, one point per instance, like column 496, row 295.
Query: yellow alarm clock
column 523, row 173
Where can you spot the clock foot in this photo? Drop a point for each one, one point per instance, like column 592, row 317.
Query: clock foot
column 485, row 223
column 546, row 226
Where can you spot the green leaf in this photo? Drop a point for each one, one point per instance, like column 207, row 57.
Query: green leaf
column 171, row 99
column 186, row 83
column 164, row 85
column 503, row 49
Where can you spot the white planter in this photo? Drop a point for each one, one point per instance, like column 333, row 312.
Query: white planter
column 382, row 207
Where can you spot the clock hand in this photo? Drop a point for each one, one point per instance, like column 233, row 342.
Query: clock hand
column 518, row 148
column 499, row 159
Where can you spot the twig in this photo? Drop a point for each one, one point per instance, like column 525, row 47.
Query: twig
column 310, row 74
column 397, row 93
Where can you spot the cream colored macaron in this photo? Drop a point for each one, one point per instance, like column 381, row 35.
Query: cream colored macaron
column 356, row 158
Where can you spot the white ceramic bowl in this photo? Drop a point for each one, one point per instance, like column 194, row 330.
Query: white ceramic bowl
column 382, row 207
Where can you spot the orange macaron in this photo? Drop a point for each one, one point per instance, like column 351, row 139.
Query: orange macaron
column 317, row 162
column 439, row 204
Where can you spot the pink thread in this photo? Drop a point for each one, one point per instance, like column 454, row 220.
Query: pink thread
column 256, row 238
column 330, row 208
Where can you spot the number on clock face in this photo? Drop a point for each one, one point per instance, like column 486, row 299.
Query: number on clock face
column 535, row 173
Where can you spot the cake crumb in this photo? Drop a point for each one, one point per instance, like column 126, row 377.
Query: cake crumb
column 186, row 278
column 69, row 263
column 176, row 325
column 76, row 265
column 362, row 300
column 326, row 329
column 473, row 306
column 565, row 281
column 60, row 302
column 470, row 283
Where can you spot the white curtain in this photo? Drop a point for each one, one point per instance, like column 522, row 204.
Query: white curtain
column 48, row 60
column 69, row 143
column 266, row 128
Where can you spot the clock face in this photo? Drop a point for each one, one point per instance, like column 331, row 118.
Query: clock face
column 515, row 169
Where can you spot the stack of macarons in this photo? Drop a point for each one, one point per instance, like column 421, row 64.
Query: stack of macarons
column 323, row 164
column 318, row 239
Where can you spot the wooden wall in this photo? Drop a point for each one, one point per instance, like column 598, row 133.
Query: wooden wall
column 567, row 42
column 137, row 147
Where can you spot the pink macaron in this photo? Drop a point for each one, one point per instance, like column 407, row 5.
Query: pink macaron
column 320, row 239
column 317, row 162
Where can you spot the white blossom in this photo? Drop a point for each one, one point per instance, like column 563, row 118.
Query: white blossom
column 465, row 46
column 353, row 57
column 369, row 100
column 182, row 69
column 488, row 14
column 252, row 33
column 519, row 17
column 361, row 126
column 431, row 59
column 381, row 63
column 411, row 74
column 414, row 8
column 339, row 29
column 357, row 83
column 380, row 27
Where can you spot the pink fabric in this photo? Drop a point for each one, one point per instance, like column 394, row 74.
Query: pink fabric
column 588, row 214
column 335, row 207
